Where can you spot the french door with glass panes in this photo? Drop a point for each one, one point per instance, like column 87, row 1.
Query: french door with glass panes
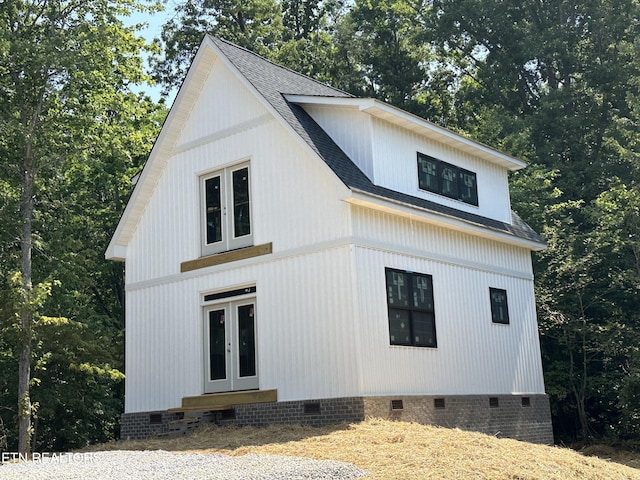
column 230, row 346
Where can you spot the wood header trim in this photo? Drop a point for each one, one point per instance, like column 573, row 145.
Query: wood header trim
column 226, row 257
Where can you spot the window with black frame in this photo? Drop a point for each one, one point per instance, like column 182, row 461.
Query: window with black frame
column 499, row 306
column 410, row 307
column 445, row 179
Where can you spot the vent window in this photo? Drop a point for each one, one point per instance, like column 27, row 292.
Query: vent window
column 312, row 408
column 155, row 419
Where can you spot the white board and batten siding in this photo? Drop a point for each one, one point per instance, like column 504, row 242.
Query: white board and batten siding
column 473, row 355
column 351, row 130
column 306, row 336
column 321, row 313
column 303, row 338
column 169, row 231
column 387, row 154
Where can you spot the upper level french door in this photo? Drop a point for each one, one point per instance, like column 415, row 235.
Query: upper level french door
column 230, row 346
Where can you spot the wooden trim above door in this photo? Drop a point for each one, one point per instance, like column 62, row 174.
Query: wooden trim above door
column 226, row 257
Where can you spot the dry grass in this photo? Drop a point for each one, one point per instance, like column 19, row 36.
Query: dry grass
column 398, row 450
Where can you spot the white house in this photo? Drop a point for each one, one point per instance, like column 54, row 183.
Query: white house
column 318, row 258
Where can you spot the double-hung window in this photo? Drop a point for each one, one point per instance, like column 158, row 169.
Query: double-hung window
column 445, row 179
column 226, row 209
column 410, row 304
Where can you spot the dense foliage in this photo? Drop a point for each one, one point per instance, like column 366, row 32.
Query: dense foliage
column 556, row 83
column 72, row 135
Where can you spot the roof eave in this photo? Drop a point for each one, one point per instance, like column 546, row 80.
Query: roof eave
column 397, row 116
column 369, row 200
column 161, row 150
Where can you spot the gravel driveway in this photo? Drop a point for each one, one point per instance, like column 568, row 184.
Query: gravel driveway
column 159, row 464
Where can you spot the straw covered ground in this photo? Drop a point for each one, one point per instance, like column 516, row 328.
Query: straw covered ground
column 398, row 450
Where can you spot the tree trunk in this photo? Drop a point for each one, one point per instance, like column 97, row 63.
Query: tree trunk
column 26, row 313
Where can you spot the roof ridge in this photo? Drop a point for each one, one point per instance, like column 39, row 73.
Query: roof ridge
column 277, row 65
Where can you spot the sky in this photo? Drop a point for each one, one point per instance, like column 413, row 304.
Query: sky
column 154, row 27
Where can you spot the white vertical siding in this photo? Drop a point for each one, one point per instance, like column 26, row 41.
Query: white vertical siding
column 164, row 359
column 396, row 168
column 322, row 324
column 425, row 240
column 305, row 330
column 473, row 356
column 215, row 111
column 294, row 197
column 351, row 130
column 386, row 153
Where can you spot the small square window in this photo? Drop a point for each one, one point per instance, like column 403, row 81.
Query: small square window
column 499, row 306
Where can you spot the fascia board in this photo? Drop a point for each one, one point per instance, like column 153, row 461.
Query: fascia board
column 397, row 116
column 161, row 150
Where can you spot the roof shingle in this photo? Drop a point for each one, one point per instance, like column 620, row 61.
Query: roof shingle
column 273, row 82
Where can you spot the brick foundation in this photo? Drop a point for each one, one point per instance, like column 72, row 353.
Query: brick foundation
column 328, row 411
column 526, row 418
column 139, row 425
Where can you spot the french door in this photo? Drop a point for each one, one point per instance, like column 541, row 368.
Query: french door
column 230, row 346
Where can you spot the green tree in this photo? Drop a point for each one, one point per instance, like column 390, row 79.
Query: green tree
column 557, row 83
column 568, row 68
column 254, row 24
column 63, row 63
column 377, row 43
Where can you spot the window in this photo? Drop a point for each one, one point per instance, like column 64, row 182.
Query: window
column 226, row 210
column 410, row 304
column 499, row 306
column 446, row 179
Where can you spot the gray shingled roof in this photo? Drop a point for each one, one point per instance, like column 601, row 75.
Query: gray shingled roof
column 273, row 82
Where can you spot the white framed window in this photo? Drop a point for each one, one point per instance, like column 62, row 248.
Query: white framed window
column 225, row 198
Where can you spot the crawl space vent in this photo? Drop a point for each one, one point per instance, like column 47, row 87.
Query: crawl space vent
column 438, row 403
column 312, row 408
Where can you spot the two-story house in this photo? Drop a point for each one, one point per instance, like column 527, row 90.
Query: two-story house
column 297, row 254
